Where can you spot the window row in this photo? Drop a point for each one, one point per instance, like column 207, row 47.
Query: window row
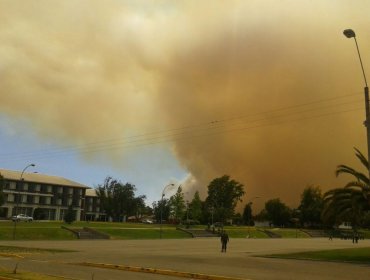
column 47, row 200
column 32, row 187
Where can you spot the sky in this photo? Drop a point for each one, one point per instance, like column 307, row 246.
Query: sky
column 158, row 92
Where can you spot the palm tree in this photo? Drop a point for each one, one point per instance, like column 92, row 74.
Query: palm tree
column 344, row 205
column 351, row 202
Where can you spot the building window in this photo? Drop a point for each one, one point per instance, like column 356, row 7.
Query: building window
column 42, row 200
column 44, row 188
column 31, row 187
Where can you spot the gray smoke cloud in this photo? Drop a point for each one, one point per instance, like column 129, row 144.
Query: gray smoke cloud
column 88, row 71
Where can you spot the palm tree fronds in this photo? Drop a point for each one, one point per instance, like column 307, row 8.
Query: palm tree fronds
column 362, row 158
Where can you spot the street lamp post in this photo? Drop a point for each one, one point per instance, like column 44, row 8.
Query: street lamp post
column 18, row 198
column 161, row 208
column 349, row 33
column 250, row 203
column 187, row 212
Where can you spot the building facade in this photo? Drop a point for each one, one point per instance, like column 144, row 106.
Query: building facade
column 42, row 197
column 93, row 210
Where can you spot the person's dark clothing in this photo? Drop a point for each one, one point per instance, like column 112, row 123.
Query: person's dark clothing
column 224, row 240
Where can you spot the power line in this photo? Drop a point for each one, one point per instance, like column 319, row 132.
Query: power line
column 197, row 130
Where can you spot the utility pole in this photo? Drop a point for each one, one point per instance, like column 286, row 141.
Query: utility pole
column 161, row 207
column 19, row 197
column 349, row 33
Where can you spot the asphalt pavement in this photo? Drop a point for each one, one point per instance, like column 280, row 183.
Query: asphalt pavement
column 200, row 256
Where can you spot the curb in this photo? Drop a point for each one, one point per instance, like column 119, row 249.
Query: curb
column 11, row 255
column 159, row 271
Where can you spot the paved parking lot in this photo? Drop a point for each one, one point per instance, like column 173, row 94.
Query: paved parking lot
column 200, row 255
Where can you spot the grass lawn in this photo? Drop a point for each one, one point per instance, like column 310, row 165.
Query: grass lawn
column 245, row 232
column 34, row 231
column 53, row 231
column 143, row 233
column 361, row 255
column 289, row 233
column 41, row 230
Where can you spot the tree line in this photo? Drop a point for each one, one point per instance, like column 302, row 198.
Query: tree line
column 350, row 203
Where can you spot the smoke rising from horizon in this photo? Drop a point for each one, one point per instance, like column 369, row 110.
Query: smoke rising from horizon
column 88, row 71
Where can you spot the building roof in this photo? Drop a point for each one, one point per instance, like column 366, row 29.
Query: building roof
column 39, row 178
column 91, row 192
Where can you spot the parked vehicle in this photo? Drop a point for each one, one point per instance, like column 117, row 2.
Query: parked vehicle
column 147, row 222
column 22, row 217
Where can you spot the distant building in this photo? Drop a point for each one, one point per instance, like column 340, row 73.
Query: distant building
column 262, row 223
column 345, row 225
column 93, row 211
column 42, row 197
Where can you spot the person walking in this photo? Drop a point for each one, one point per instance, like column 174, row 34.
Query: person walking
column 224, row 241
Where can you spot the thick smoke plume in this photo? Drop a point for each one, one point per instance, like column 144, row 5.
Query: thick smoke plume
column 269, row 92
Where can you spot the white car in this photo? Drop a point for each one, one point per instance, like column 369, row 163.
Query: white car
column 22, row 217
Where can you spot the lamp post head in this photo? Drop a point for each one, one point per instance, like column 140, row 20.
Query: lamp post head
column 349, row 33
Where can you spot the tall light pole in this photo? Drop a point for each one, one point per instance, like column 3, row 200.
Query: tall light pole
column 18, row 197
column 349, row 33
column 161, row 208
column 250, row 203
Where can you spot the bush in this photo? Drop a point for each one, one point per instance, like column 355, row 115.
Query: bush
column 70, row 215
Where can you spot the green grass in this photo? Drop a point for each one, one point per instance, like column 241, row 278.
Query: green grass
column 34, row 231
column 252, row 232
column 40, row 230
column 289, row 233
column 245, row 232
column 144, row 233
column 53, row 231
column 361, row 255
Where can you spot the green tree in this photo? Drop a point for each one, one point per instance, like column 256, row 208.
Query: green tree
column 343, row 205
column 139, row 207
column 161, row 209
column 247, row 214
column 70, row 215
column 261, row 216
column 195, row 207
column 177, row 204
column 311, row 206
column 351, row 202
column 223, row 196
column 118, row 199
column 277, row 212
